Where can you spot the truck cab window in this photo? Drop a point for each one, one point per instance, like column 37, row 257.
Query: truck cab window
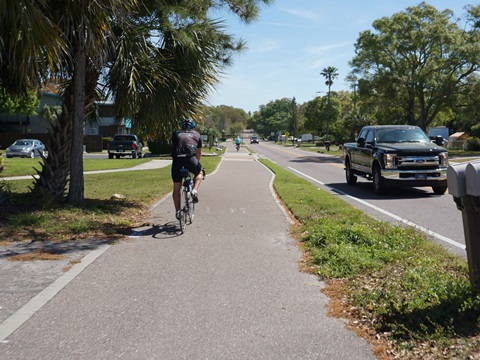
column 369, row 137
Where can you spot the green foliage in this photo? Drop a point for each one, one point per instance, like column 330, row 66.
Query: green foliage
column 413, row 65
column 51, row 113
column 24, row 103
column 105, row 141
column 225, row 119
column 274, row 117
column 5, row 191
column 473, row 144
column 424, row 295
column 342, row 248
column 317, row 112
column 159, row 147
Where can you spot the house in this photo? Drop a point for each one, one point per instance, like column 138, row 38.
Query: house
column 103, row 122
column 458, row 141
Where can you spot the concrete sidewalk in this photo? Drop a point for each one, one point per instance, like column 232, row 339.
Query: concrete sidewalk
column 154, row 164
column 229, row 288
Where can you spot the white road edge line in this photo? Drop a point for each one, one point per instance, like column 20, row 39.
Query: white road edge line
column 396, row 217
column 26, row 312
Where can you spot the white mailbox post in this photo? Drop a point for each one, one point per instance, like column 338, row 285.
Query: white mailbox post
column 464, row 186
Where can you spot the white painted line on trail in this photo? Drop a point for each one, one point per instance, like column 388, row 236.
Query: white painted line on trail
column 29, row 309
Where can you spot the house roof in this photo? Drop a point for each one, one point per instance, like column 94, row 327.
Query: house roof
column 458, row 135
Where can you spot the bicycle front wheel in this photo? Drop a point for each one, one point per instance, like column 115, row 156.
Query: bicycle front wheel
column 191, row 208
column 183, row 211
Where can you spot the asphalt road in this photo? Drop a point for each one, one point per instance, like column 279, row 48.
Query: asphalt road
column 229, row 288
column 436, row 215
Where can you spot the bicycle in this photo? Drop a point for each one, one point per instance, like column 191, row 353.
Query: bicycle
column 187, row 206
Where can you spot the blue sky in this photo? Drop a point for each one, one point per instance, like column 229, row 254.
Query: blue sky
column 293, row 40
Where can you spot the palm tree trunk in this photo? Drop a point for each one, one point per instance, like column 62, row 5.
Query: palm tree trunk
column 53, row 176
column 76, row 189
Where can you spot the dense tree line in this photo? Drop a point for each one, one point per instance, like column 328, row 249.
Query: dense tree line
column 419, row 67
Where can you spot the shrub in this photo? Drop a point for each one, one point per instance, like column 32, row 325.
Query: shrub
column 105, row 141
column 159, row 147
column 473, row 143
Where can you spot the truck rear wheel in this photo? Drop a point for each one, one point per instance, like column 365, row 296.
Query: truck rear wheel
column 351, row 179
column 110, row 156
column 378, row 181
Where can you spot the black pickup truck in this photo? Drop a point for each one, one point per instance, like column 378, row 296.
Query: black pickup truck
column 124, row 145
column 396, row 155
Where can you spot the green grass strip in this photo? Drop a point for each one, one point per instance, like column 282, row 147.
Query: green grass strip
column 407, row 288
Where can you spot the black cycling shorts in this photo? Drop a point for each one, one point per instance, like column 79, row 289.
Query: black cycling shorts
column 190, row 163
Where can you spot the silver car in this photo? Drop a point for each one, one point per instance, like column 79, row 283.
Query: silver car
column 26, row 148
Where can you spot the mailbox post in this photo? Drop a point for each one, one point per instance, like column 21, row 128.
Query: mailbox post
column 464, row 186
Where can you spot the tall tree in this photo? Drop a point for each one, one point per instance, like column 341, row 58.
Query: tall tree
column 293, row 126
column 415, row 63
column 274, row 117
column 314, row 115
column 226, row 119
column 318, row 110
column 330, row 73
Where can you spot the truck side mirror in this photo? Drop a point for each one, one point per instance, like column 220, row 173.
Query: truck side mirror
column 361, row 141
column 439, row 140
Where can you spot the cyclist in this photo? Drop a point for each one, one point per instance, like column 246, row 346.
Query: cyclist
column 186, row 152
column 238, row 141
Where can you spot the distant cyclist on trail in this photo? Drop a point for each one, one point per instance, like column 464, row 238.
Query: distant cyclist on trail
column 238, row 141
column 186, row 152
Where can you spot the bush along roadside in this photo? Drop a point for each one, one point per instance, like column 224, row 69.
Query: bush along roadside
column 409, row 297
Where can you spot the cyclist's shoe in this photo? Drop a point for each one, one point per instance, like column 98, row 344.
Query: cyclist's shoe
column 178, row 214
column 194, row 196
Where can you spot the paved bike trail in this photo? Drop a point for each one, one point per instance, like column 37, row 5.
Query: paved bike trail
column 228, row 288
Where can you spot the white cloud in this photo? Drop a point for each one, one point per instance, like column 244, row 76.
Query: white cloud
column 304, row 14
column 325, row 49
column 266, row 46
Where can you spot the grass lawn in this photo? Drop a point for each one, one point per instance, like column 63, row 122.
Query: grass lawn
column 27, row 166
column 26, row 217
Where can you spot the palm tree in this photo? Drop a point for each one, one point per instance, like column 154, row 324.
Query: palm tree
column 154, row 83
column 29, row 45
column 182, row 68
column 330, row 73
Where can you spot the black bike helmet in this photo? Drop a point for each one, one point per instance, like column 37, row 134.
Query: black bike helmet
column 188, row 124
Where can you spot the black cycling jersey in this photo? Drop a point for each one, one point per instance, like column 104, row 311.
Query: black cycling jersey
column 185, row 142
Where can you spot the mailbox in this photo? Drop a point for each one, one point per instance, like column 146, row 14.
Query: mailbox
column 464, row 185
column 456, row 180
column 472, row 178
